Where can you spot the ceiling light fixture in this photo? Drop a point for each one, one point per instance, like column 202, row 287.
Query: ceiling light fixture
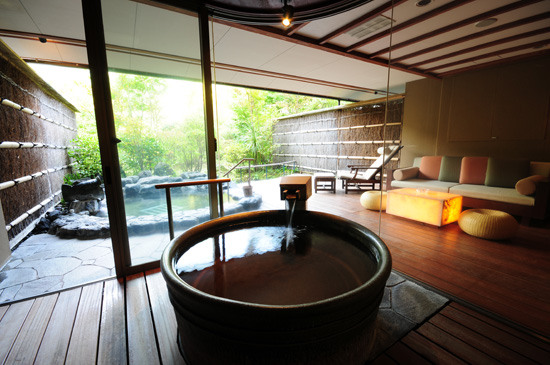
column 486, row 22
column 288, row 12
column 421, row 3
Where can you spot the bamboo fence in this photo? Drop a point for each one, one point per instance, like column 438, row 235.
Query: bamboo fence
column 332, row 139
column 36, row 129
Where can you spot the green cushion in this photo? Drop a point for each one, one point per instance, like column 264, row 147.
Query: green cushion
column 450, row 168
column 505, row 173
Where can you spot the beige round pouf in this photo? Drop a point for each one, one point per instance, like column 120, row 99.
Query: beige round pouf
column 371, row 200
column 487, row 223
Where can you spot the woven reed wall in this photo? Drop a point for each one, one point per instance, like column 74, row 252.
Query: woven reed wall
column 19, row 84
column 331, row 140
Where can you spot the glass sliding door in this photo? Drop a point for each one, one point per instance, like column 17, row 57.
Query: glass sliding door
column 153, row 58
column 154, row 62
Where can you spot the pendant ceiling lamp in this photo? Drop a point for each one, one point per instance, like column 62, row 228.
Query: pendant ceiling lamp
column 272, row 12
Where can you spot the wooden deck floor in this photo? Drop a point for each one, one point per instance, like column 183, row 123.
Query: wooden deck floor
column 458, row 335
column 509, row 279
column 131, row 322
column 500, row 310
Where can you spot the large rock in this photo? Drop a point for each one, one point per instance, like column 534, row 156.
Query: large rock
column 90, row 206
column 149, row 191
column 83, row 190
column 80, row 226
column 147, row 224
column 129, row 180
column 132, row 190
column 153, row 180
column 251, row 202
column 197, row 176
column 145, row 173
column 43, row 226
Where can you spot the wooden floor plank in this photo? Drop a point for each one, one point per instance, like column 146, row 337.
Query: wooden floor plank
column 482, row 343
column 489, row 275
column 83, row 344
column 512, row 342
column 28, row 341
column 402, row 354
column 112, row 336
column 55, row 343
column 430, row 350
column 164, row 318
column 10, row 325
column 142, row 345
column 527, row 337
column 3, row 311
column 457, row 347
column 507, row 278
column 473, row 283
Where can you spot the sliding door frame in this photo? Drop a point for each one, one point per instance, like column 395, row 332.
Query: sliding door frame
column 101, row 91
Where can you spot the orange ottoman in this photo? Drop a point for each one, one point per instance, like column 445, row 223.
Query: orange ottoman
column 487, row 223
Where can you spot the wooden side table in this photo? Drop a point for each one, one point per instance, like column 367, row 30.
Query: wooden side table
column 324, row 181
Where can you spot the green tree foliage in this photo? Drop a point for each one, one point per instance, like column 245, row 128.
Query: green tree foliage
column 136, row 101
column 149, row 135
column 255, row 111
column 185, row 144
column 253, row 119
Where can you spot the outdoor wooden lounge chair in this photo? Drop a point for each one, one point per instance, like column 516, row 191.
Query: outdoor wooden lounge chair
column 368, row 179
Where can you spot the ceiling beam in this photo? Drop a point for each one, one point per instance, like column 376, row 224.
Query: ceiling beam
column 312, row 43
column 491, row 54
column 294, row 28
column 485, row 45
column 462, row 23
column 278, row 33
column 419, row 19
column 470, row 37
column 362, row 19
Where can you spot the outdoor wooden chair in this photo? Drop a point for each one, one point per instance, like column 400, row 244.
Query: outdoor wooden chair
column 368, row 179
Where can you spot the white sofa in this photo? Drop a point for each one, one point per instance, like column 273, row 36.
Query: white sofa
column 516, row 186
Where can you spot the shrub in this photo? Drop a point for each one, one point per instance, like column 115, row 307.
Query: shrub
column 87, row 158
column 163, row 169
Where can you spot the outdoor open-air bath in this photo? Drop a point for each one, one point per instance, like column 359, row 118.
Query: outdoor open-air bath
column 245, row 291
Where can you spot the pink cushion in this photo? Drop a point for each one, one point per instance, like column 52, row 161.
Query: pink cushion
column 429, row 167
column 473, row 170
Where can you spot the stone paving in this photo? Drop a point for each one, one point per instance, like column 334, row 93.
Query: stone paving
column 404, row 306
column 45, row 263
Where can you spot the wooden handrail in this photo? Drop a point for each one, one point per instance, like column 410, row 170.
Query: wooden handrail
column 190, row 183
column 168, row 186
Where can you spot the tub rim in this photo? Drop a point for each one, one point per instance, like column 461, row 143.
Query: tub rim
column 168, row 260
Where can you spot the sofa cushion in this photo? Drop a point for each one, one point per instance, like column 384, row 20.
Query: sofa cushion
column 505, row 173
column 429, row 167
column 473, row 170
column 405, row 173
column 434, row 185
column 528, row 185
column 506, row 195
column 450, row 168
